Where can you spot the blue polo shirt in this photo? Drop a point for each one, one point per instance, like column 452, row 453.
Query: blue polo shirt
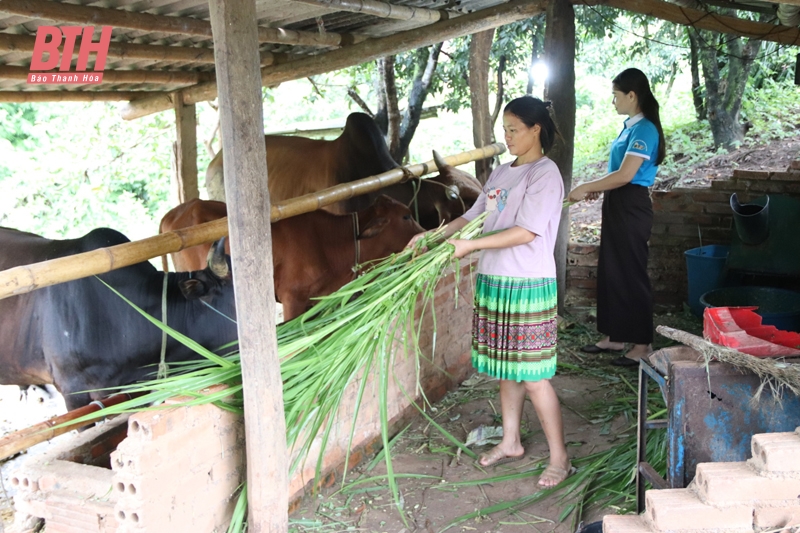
column 638, row 138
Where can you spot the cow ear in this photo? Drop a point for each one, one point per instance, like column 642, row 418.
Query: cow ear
column 193, row 289
column 373, row 227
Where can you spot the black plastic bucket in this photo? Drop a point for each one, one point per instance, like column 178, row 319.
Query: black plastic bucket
column 751, row 220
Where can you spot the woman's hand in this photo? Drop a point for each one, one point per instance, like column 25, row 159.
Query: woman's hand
column 578, row 194
column 416, row 239
column 463, row 247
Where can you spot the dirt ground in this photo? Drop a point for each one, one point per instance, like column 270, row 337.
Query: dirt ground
column 436, row 503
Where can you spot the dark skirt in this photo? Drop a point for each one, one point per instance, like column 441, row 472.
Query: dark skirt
column 624, row 294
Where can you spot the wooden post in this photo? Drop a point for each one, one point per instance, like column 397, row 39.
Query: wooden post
column 186, row 150
column 559, row 53
column 480, row 45
column 242, row 125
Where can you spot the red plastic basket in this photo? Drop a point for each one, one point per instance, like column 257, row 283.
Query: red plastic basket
column 740, row 328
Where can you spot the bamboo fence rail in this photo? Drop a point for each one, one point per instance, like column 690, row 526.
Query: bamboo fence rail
column 27, row 278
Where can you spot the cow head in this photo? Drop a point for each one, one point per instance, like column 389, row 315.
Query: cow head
column 210, row 282
column 447, row 196
column 385, row 228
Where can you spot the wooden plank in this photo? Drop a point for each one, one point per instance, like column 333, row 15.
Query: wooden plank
column 247, row 196
column 186, row 151
column 559, row 52
column 705, row 20
column 359, row 53
column 480, row 47
column 382, row 9
column 98, row 16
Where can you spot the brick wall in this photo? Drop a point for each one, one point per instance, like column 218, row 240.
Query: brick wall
column 680, row 217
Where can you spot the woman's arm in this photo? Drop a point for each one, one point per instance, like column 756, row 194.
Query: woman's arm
column 505, row 239
column 449, row 229
column 613, row 180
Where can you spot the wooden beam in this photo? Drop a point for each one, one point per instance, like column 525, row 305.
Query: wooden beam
column 247, row 196
column 705, row 20
column 382, row 9
column 186, row 151
column 166, row 77
column 559, row 49
column 98, row 16
column 19, row 97
column 357, row 54
column 24, row 43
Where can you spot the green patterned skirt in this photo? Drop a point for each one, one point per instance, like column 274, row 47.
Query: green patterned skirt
column 514, row 327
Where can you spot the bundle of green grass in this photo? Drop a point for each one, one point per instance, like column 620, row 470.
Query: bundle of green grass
column 351, row 331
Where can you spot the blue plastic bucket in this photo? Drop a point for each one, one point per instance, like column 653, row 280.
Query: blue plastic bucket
column 777, row 307
column 705, row 272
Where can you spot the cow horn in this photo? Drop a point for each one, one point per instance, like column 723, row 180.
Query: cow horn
column 216, row 259
column 439, row 160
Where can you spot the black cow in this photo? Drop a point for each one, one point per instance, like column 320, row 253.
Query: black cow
column 81, row 336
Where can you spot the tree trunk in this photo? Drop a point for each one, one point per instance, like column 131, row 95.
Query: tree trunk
column 724, row 95
column 697, row 90
column 480, row 46
column 419, row 91
column 559, row 47
column 389, row 90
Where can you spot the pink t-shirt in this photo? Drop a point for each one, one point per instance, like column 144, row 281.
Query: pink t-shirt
column 529, row 196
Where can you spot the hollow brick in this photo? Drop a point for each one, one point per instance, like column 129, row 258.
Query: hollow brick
column 734, row 483
column 774, row 518
column 681, row 509
column 776, row 452
column 624, row 524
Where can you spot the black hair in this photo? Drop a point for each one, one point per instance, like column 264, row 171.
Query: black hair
column 633, row 79
column 532, row 111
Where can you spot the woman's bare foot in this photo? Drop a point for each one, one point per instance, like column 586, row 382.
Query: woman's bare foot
column 606, row 344
column 638, row 351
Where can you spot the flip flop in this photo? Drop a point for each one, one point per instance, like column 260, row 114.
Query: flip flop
column 593, row 348
column 501, row 458
column 555, row 473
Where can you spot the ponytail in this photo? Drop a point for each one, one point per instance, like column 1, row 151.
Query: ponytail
column 633, row 79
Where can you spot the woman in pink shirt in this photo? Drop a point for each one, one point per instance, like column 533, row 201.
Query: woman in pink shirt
column 514, row 326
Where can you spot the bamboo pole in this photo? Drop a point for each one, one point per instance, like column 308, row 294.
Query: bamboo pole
column 167, row 77
column 382, row 9
column 26, row 278
column 353, row 55
column 23, row 439
column 98, row 16
column 74, row 96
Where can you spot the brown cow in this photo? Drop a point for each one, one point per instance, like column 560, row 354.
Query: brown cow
column 298, row 165
column 314, row 253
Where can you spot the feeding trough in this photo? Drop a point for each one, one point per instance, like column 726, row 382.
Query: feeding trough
column 777, row 307
column 741, row 328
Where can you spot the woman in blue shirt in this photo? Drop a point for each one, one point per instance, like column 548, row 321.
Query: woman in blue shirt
column 624, row 294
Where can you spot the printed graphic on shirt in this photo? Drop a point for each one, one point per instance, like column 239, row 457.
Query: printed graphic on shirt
column 496, row 200
column 639, row 145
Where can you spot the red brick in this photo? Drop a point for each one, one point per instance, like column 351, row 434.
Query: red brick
column 718, row 483
column 795, row 165
column 742, row 185
column 677, row 509
column 583, row 249
column 786, row 176
column 576, row 272
column 776, row 452
column 718, row 209
column 739, row 174
column 583, row 283
column 768, row 186
column 628, row 523
column 708, row 196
